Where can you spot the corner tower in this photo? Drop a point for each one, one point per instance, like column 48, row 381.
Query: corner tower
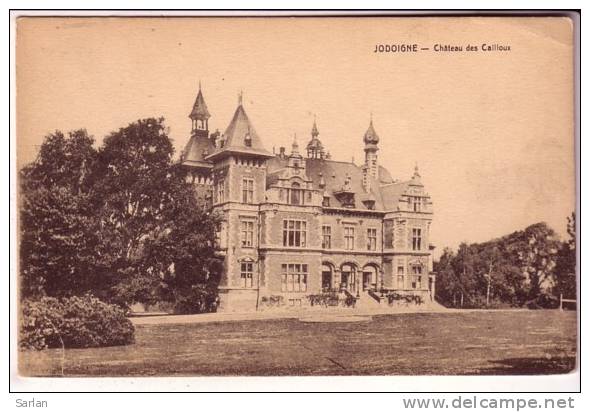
column 239, row 180
column 197, row 149
column 200, row 115
column 371, row 165
column 371, row 140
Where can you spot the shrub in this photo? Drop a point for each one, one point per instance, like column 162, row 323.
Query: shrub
column 543, row 301
column 408, row 299
column 349, row 301
column 324, row 299
column 272, row 301
column 199, row 299
column 76, row 322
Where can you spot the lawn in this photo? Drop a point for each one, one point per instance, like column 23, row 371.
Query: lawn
column 486, row 342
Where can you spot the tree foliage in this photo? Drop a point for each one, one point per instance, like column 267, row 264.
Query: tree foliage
column 58, row 236
column 120, row 221
column 565, row 268
column 512, row 270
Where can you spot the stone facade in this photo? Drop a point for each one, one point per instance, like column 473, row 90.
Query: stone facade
column 295, row 226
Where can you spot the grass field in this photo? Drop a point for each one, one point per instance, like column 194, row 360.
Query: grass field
column 487, row 342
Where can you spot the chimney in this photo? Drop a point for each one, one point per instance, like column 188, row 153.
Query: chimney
column 282, row 152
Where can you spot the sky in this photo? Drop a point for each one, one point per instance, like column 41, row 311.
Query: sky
column 491, row 131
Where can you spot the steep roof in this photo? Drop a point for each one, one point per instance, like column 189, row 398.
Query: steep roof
column 384, row 175
column 200, row 111
column 333, row 173
column 195, row 151
column 239, row 130
column 392, row 192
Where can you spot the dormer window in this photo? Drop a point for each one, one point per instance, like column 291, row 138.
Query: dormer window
column 369, row 204
column 296, row 195
column 416, row 203
column 248, row 140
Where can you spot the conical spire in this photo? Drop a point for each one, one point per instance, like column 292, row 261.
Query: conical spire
column 314, row 147
column 295, row 146
column 200, row 111
column 314, row 129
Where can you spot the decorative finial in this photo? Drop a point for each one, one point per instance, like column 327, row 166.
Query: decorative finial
column 199, row 84
column 416, row 173
column 240, row 97
column 294, row 146
column 371, row 118
column 314, row 128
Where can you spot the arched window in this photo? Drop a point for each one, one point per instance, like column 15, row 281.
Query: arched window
column 296, row 194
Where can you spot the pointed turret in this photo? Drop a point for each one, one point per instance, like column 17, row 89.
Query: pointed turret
column 295, row 147
column 199, row 145
column 371, row 167
column 200, row 113
column 314, row 129
column 240, row 136
column 315, row 149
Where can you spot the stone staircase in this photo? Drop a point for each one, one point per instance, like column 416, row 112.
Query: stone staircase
column 366, row 301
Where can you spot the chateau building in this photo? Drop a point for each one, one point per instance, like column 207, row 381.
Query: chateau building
column 298, row 223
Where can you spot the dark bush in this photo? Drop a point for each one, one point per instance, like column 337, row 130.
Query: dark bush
column 76, row 322
column 199, row 299
column 394, row 297
column 272, row 301
column 324, row 299
column 543, row 301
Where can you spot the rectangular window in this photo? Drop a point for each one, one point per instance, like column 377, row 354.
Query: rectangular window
column 371, row 239
column 221, row 191
column 416, row 203
column 348, row 237
column 416, row 239
column 417, row 279
column 326, row 237
column 295, row 194
column 247, row 230
column 294, row 233
column 400, row 281
column 294, row 277
column 246, row 272
column 247, row 190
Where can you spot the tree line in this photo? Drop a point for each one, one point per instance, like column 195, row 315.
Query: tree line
column 529, row 267
column 119, row 221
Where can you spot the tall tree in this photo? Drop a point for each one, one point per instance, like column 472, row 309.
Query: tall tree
column 448, row 284
column 57, row 227
column 565, row 268
column 535, row 250
column 150, row 222
column 122, row 222
column 513, row 269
